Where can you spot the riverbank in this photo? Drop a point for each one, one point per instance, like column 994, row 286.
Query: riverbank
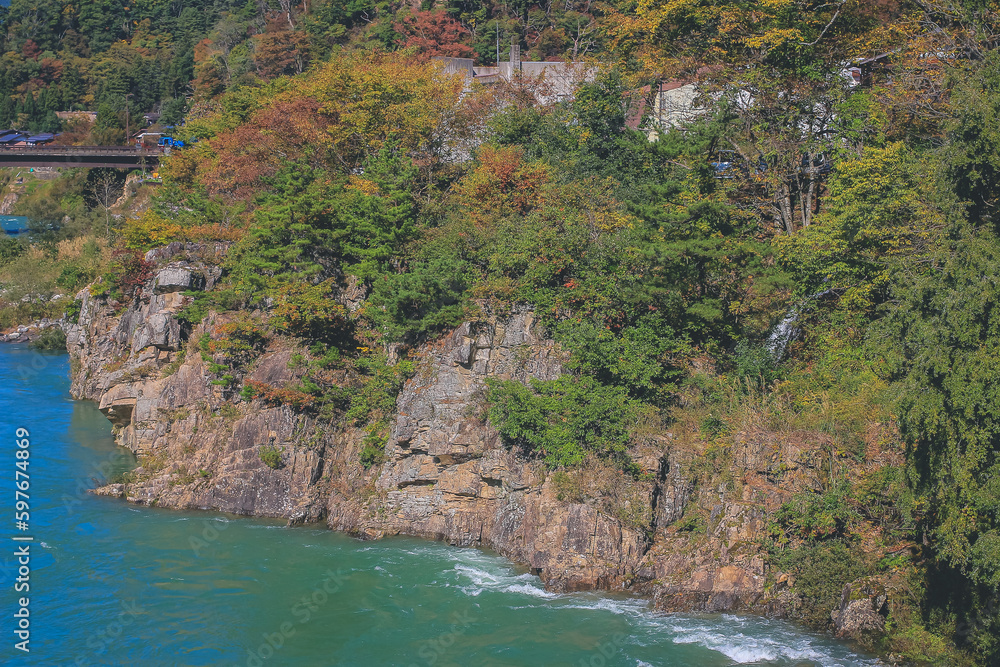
column 28, row 333
column 148, row 585
column 689, row 537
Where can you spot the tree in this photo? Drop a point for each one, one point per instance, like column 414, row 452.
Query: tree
column 105, row 188
column 10, row 249
column 379, row 214
column 8, row 113
column 279, row 52
column 874, row 217
column 71, row 86
column 433, row 33
column 940, row 343
column 563, row 420
column 973, row 157
column 173, row 110
column 30, row 108
column 109, row 128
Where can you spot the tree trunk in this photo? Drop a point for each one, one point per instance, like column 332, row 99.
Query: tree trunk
column 785, row 204
column 807, row 206
column 286, row 6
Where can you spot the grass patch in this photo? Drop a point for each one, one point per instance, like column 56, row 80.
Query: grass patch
column 270, row 455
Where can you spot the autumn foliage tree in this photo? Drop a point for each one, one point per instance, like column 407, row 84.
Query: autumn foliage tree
column 332, row 120
column 433, row 33
column 280, row 51
column 503, row 183
column 310, row 311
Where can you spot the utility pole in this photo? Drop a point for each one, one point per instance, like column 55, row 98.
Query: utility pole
column 128, row 134
column 498, row 42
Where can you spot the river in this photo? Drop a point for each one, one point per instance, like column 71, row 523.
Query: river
column 115, row 584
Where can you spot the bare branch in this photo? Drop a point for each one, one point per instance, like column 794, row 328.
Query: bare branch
column 827, row 26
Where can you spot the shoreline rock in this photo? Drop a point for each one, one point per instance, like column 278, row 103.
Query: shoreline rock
column 26, row 333
column 446, row 474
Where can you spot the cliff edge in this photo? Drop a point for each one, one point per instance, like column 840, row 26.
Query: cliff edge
column 688, row 537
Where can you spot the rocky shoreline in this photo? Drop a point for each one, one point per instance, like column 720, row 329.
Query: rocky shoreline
column 27, row 333
column 446, row 475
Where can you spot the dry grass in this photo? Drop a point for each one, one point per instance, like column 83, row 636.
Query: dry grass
column 30, row 281
column 605, row 486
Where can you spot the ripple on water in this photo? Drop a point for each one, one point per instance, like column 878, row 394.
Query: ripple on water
column 401, row 601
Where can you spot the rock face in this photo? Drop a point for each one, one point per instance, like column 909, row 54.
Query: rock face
column 448, row 477
column 446, row 474
column 863, row 609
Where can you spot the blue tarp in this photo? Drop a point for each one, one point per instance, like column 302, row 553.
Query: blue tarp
column 41, row 138
column 13, row 138
column 14, row 224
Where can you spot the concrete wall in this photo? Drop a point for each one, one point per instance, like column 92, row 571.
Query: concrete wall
column 673, row 105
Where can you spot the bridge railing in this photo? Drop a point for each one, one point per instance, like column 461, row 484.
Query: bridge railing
column 85, row 150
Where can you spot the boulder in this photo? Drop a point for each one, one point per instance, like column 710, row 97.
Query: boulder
column 175, row 279
column 862, row 609
column 163, row 332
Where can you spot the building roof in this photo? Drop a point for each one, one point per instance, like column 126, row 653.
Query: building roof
column 41, row 138
column 13, row 138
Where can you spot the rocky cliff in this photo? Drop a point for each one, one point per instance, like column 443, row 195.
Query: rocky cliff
column 446, row 474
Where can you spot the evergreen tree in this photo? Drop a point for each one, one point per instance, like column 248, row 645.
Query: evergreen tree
column 71, row 87
column 8, row 112
column 50, row 100
column 30, row 108
column 381, row 221
column 28, row 115
column 172, row 111
column 50, row 122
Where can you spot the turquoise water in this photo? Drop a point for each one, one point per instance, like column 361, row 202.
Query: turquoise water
column 113, row 584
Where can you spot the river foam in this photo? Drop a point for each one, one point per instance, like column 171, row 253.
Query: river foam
column 144, row 586
column 745, row 640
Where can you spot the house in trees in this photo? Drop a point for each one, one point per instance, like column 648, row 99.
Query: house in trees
column 656, row 109
column 550, row 81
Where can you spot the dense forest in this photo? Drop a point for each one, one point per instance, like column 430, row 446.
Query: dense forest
column 815, row 250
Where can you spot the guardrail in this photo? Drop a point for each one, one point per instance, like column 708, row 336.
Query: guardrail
column 85, row 150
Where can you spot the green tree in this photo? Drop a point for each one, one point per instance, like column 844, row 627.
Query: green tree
column 8, row 111
column 295, row 230
column 565, row 419
column 973, row 155
column 380, row 213
column 430, row 296
column 874, row 214
column 71, row 86
column 30, row 107
column 941, row 343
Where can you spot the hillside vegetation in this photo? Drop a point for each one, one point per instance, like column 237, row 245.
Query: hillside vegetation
column 858, row 221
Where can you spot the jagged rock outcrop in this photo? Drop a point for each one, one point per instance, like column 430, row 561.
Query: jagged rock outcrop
column 446, row 474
